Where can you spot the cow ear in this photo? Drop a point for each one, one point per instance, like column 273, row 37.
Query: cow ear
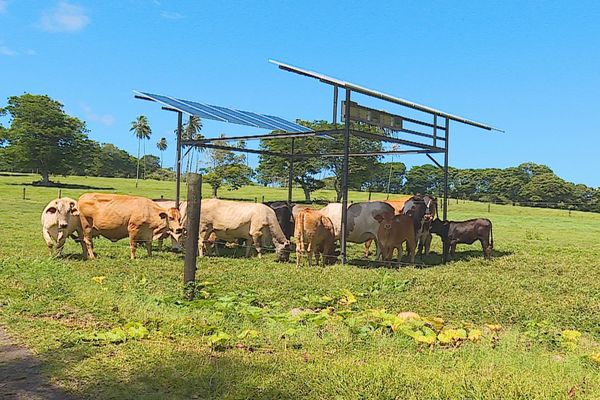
column 163, row 215
column 51, row 210
column 378, row 217
column 73, row 208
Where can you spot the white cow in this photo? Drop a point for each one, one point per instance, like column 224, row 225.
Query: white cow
column 232, row 220
column 60, row 219
column 362, row 225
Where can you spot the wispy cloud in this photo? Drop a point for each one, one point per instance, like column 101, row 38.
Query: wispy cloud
column 10, row 52
column 171, row 15
column 3, row 6
column 7, row 51
column 90, row 115
column 65, row 17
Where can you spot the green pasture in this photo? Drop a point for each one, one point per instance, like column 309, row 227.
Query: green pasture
column 116, row 328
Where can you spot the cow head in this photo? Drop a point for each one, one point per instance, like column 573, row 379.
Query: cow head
column 176, row 229
column 385, row 219
column 65, row 213
column 282, row 250
column 439, row 227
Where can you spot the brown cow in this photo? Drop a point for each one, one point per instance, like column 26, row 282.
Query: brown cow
column 316, row 230
column 119, row 216
column 393, row 231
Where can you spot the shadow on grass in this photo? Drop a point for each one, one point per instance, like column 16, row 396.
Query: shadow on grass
column 62, row 185
column 179, row 374
column 12, row 174
column 428, row 261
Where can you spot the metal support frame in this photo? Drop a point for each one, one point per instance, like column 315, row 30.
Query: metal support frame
column 178, row 159
column 343, row 231
column 446, row 171
column 291, row 172
column 347, row 131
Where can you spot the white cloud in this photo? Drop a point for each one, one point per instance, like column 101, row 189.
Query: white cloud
column 7, row 51
column 30, row 52
column 171, row 15
column 65, row 17
column 90, row 115
column 3, row 4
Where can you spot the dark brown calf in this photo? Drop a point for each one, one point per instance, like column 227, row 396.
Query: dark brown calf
column 467, row 232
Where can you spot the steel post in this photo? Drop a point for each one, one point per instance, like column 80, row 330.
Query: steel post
column 178, row 160
column 335, row 103
column 344, row 187
column 291, row 172
column 445, row 249
column 193, row 227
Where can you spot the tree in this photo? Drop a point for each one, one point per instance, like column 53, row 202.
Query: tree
column 227, row 168
column 191, row 131
column 425, row 179
column 275, row 170
column 162, row 146
column 546, row 188
column 151, row 162
column 42, row 136
column 110, row 161
column 386, row 177
column 141, row 129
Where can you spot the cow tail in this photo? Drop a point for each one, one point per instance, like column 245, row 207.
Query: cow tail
column 491, row 235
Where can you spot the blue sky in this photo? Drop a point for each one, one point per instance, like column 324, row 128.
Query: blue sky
column 530, row 68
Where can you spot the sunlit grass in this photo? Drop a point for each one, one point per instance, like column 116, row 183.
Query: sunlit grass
column 545, row 269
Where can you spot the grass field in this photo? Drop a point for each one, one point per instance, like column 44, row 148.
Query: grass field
column 115, row 328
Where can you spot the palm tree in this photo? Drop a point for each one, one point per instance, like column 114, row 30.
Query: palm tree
column 141, row 129
column 191, row 132
column 162, row 146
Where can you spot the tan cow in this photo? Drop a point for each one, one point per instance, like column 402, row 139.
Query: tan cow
column 117, row 216
column 60, row 219
column 393, row 231
column 233, row 220
column 317, row 232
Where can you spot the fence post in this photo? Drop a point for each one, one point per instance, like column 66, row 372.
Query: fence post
column 191, row 249
column 263, row 198
column 489, row 205
column 23, row 193
column 59, row 193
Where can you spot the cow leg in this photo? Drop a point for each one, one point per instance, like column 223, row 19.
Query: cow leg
column 149, row 247
column 428, row 243
column 86, row 226
column 133, row 231
column 367, row 245
column 410, row 249
column 487, row 249
column 49, row 240
column 257, row 238
column 452, row 249
column 160, row 244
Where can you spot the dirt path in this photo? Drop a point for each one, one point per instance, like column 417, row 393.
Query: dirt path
column 20, row 374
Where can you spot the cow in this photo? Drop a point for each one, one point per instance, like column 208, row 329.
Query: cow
column 253, row 222
column 170, row 204
column 283, row 212
column 361, row 223
column 422, row 210
column 393, row 231
column 60, row 219
column 467, row 232
column 117, row 216
column 314, row 234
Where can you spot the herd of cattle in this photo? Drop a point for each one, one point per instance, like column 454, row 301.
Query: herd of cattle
column 389, row 223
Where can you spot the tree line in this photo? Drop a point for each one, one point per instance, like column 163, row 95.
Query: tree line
column 43, row 138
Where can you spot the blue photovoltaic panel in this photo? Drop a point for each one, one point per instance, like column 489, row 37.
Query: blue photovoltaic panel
column 225, row 114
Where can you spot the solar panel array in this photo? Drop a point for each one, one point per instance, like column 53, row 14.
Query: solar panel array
column 224, row 114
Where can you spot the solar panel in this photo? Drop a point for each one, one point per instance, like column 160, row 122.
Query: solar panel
column 224, row 114
column 373, row 93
